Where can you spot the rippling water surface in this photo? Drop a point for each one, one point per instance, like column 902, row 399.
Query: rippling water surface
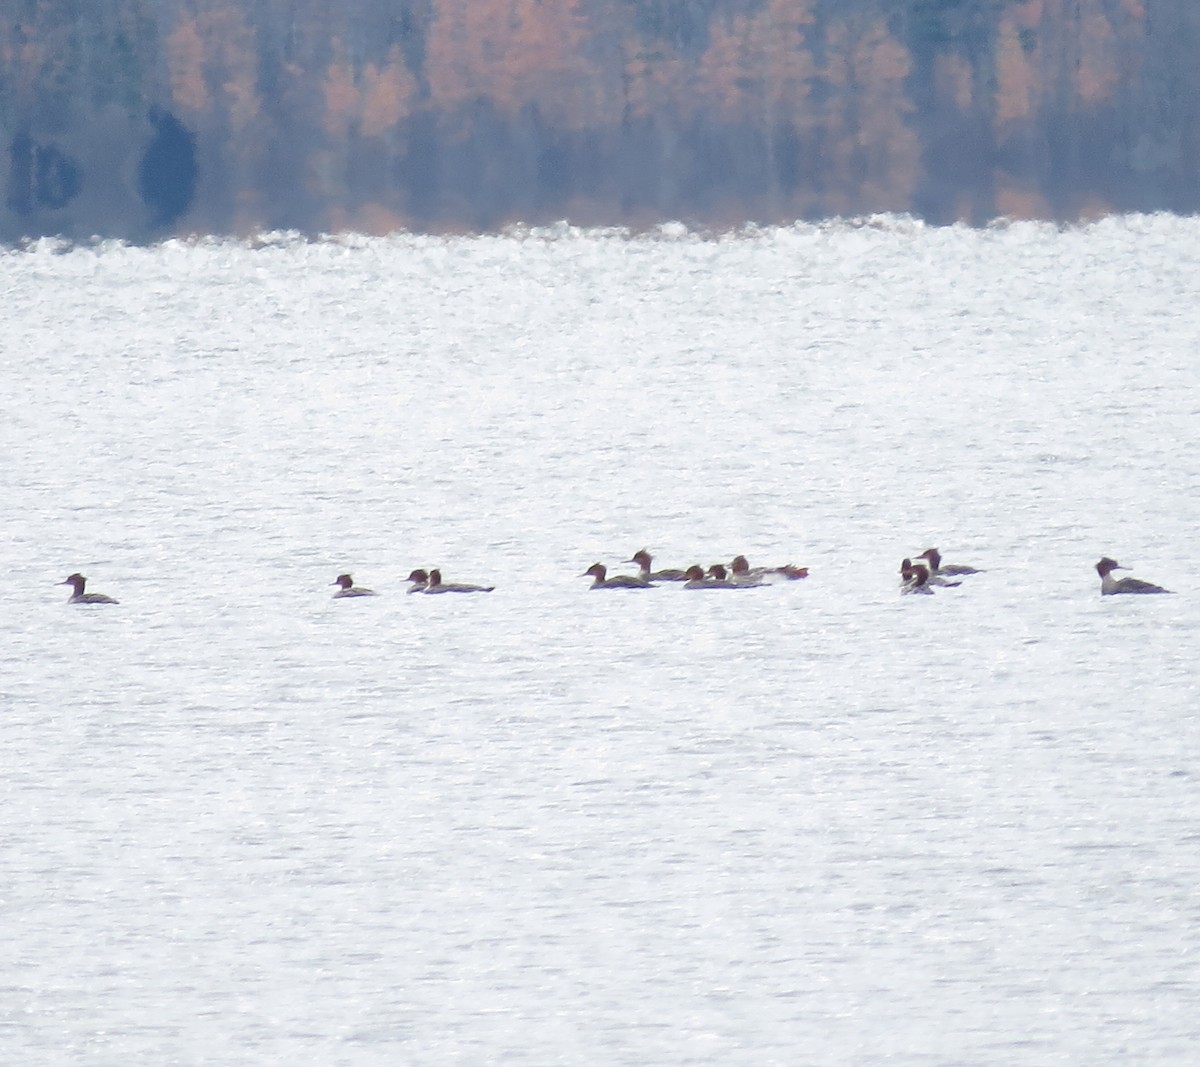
column 809, row 823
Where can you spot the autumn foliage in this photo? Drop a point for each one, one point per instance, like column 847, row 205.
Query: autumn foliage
column 377, row 114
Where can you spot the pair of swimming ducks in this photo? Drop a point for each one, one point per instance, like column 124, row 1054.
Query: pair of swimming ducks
column 740, row 575
column 422, row 582
column 921, row 577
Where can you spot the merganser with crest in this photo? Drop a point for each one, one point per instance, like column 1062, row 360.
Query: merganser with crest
column 906, row 576
column 348, row 588
column 1110, row 585
column 643, row 559
column 618, row 581
column 935, row 564
column 436, row 585
column 744, row 573
column 718, row 575
column 419, row 579
column 77, row 582
column 916, row 580
column 716, row 578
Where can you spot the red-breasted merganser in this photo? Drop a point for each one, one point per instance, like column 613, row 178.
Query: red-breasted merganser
column 716, row 578
column 348, row 588
column 643, row 559
column 419, row 579
column 917, row 580
column 935, row 564
column 792, row 573
column 1110, row 585
column 743, row 572
column 906, row 575
column 617, row 581
column 77, row 582
column 718, row 575
column 436, row 585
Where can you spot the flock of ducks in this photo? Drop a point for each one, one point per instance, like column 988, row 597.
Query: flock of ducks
column 421, row 581
column 738, row 575
column 915, row 577
column 922, row 577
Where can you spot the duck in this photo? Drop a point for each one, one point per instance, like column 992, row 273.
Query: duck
column 436, row 585
column 718, row 575
column 934, row 558
column 644, row 560
column 906, row 575
column 77, row 582
column 1110, row 586
column 917, row 580
column 792, row 573
column 618, row 581
column 716, row 578
column 419, row 578
column 744, row 573
column 348, row 588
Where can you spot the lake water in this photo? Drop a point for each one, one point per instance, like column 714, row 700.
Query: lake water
column 816, row 822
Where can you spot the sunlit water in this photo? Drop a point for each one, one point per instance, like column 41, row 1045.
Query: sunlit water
column 817, row 822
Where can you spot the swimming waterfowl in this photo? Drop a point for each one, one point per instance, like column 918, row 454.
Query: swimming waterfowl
column 916, row 580
column 436, row 585
column 934, row 558
column 77, row 582
column 715, row 578
column 907, row 573
column 348, row 588
column 643, row 559
column 1110, row 586
column 618, row 581
column 742, row 571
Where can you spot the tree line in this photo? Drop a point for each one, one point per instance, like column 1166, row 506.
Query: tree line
column 141, row 117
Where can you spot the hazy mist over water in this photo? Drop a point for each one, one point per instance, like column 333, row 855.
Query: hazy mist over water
column 816, row 822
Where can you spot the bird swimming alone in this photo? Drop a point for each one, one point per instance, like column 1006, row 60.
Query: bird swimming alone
column 1110, row 585
column 436, row 585
column 77, row 582
column 348, row 588
column 618, row 581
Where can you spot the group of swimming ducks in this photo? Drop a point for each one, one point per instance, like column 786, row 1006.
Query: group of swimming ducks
column 922, row 577
column 738, row 575
column 915, row 577
column 420, row 581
